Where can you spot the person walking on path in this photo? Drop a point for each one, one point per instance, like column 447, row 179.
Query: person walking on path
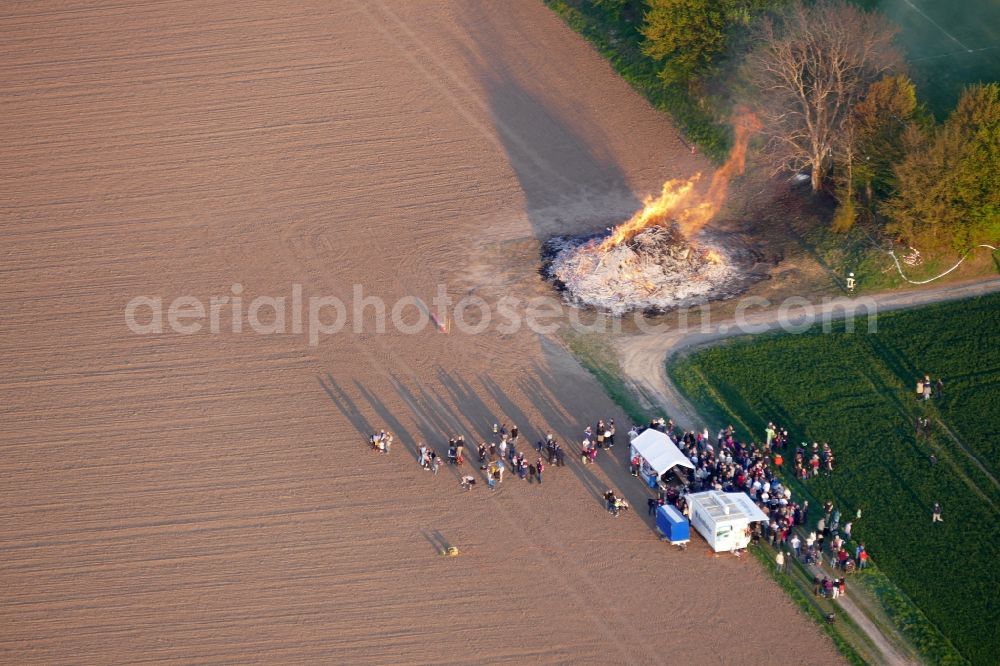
column 936, row 515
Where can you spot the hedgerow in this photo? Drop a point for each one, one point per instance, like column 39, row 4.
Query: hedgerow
column 620, row 42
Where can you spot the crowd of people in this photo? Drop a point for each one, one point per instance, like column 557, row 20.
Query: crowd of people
column 503, row 452
column 722, row 462
column 926, row 388
column 727, row 464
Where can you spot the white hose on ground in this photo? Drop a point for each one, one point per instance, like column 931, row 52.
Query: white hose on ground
column 900, row 268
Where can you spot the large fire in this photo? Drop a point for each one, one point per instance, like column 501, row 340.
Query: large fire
column 676, row 204
column 650, row 261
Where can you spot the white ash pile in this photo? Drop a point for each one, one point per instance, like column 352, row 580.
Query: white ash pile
column 656, row 270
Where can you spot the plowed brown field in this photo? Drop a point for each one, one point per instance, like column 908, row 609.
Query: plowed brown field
column 209, row 497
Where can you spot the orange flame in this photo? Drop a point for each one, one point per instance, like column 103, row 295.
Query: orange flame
column 672, row 204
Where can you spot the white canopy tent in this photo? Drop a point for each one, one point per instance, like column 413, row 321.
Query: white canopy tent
column 658, row 451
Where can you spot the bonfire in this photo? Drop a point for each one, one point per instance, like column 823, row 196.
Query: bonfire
column 662, row 257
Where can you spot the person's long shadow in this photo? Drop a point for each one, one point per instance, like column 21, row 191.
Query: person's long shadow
column 388, row 418
column 437, row 422
column 433, row 426
column 472, row 406
column 437, row 541
column 510, row 408
column 346, row 406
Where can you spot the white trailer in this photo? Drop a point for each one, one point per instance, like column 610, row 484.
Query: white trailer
column 724, row 518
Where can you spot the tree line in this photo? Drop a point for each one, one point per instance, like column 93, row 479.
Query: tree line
column 830, row 85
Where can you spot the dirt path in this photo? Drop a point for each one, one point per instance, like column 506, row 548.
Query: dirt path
column 644, row 360
column 644, row 357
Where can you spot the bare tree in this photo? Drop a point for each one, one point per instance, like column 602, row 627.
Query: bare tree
column 809, row 66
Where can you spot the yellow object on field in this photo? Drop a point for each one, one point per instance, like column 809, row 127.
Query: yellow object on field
column 450, row 551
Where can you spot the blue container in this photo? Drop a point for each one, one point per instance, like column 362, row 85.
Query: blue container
column 672, row 524
column 653, row 480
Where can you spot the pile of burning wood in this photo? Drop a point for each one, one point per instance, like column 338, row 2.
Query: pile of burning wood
column 657, row 269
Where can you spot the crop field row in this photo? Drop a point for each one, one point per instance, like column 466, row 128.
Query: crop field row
column 856, row 390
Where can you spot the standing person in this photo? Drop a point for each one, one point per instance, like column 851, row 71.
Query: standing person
column 635, row 465
column 514, row 432
column 797, row 546
column 435, row 462
column 936, row 515
column 609, row 500
column 611, row 433
column 779, row 560
column 939, row 388
column 770, row 433
column 927, row 387
column 491, row 476
column 539, row 468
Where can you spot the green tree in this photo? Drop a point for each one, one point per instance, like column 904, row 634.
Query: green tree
column 879, row 122
column 689, row 36
column 686, row 35
column 948, row 184
column 870, row 146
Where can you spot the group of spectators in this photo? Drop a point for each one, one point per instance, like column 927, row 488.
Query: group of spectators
column 504, row 452
column 926, row 388
column 722, row 462
column 725, row 463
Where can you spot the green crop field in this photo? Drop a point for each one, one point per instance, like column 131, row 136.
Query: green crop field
column 857, row 391
column 949, row 43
